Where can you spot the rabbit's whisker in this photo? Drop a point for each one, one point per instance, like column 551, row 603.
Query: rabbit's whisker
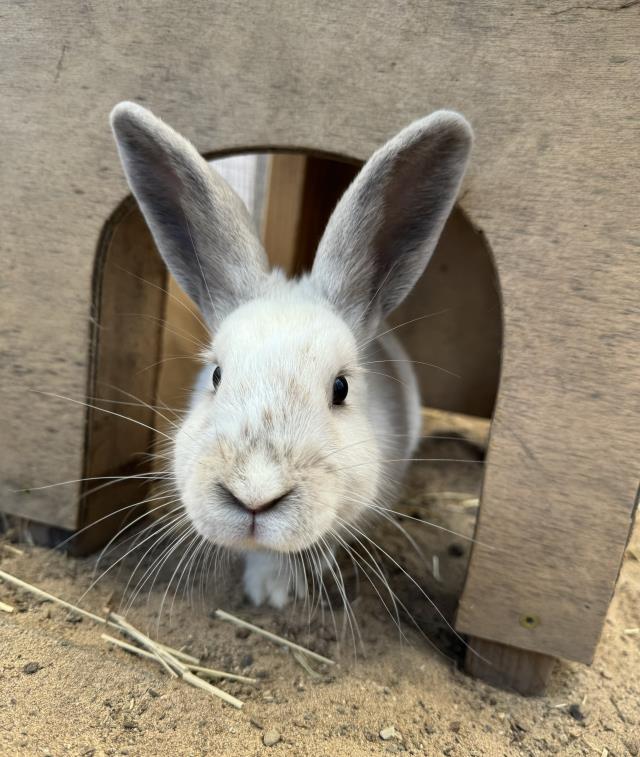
column 417, row 585
column 126, row 527
column 180, row 333
column 406, row 323
column 177, row 300
column 103, row 410
column 108, row 570
column 178, row 534
column 415, row 362
column 414, row 460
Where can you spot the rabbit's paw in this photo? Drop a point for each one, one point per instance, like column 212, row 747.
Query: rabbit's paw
column 269, row 578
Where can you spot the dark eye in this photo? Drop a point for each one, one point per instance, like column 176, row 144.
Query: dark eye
column 217, row 377
column 340, row 390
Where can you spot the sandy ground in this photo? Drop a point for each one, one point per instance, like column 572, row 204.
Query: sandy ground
column 64, row 692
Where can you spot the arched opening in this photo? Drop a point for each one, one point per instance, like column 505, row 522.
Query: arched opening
column 147, row 334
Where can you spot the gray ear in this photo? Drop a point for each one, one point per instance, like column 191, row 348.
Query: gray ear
column 384, row 229
column 201, row 227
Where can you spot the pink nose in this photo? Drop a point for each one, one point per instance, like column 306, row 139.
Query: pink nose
column 254, row 507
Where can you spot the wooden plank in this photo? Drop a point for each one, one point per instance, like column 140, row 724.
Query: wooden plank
column 324, row 184
column 451, row 323
column 283, row 209
column 527, row 673
column 183, row 339
column 554, row 187
column 302, row 192
column 129, row 307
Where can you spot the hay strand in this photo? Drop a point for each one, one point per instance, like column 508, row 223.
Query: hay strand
column 166, row 656
column 193, row 668
column 272, row 636
column 13, row 550
column 177, row 667
column 15, row 581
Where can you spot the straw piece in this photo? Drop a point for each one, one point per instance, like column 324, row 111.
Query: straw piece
column 631, row 631
column 301, row 659
column 435, row 562
column 179, row 654
column 193, row 679
column 45, row 595
column 13, row 550
column 176, row 667
column 220, row 674
column 148, row 644
column 193, row 668
column 272, row 636
column 129, row 647
column 6, row 608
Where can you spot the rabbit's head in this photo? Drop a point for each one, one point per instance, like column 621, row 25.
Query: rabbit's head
column 280, row 445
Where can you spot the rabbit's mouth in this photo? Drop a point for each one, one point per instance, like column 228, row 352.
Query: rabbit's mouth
column 286, row 523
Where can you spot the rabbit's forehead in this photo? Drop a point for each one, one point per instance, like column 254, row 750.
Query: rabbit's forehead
column 299, row 334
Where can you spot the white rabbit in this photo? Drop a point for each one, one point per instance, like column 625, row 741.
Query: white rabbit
column 293, row 434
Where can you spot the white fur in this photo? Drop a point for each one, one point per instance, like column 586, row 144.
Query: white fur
column 270, row 427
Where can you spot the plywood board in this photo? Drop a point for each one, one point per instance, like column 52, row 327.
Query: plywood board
column 555, row 185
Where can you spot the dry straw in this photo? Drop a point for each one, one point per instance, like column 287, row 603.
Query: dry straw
column 168, row 657
column 272, row 636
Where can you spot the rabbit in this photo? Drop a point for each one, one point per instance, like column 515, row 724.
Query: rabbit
column 293, row 435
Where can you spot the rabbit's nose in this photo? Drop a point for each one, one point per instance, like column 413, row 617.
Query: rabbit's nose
column 252, row 507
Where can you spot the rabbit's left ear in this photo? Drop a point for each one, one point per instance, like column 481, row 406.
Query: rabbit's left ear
column 385, row 228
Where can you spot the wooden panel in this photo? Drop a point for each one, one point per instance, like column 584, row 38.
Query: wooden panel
column 325, row 182
column 284, row 207
column 184, row 337
column 453, row 320
column 527, row 673
column 128, row 314
column 555, row 186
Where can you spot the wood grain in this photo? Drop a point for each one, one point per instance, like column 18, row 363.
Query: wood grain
column 555, row 187
column 128, row 312
column 451, row 323
column 285, row 192
column 528, row 673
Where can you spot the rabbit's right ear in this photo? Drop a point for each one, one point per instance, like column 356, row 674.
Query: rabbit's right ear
column 201, row 227
column 384, row 229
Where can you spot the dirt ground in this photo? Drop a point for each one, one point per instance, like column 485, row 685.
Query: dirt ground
column 63, row 691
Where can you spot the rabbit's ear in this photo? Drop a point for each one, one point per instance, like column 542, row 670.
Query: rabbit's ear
column 384, row 229
column 201, row 227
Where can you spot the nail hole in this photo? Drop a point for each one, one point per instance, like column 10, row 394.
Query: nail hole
column 529, row 621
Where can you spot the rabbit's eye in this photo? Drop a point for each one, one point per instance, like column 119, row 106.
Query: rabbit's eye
column 340, row 389
column 217, row 377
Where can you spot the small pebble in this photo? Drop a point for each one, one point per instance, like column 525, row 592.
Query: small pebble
column 74, row 617
column 575, row 712
column 246, row 661
column 31, row 667
column 242, row 633
column 256, row 723
column 388, row 733
column 454, row 726
column 271, row 737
